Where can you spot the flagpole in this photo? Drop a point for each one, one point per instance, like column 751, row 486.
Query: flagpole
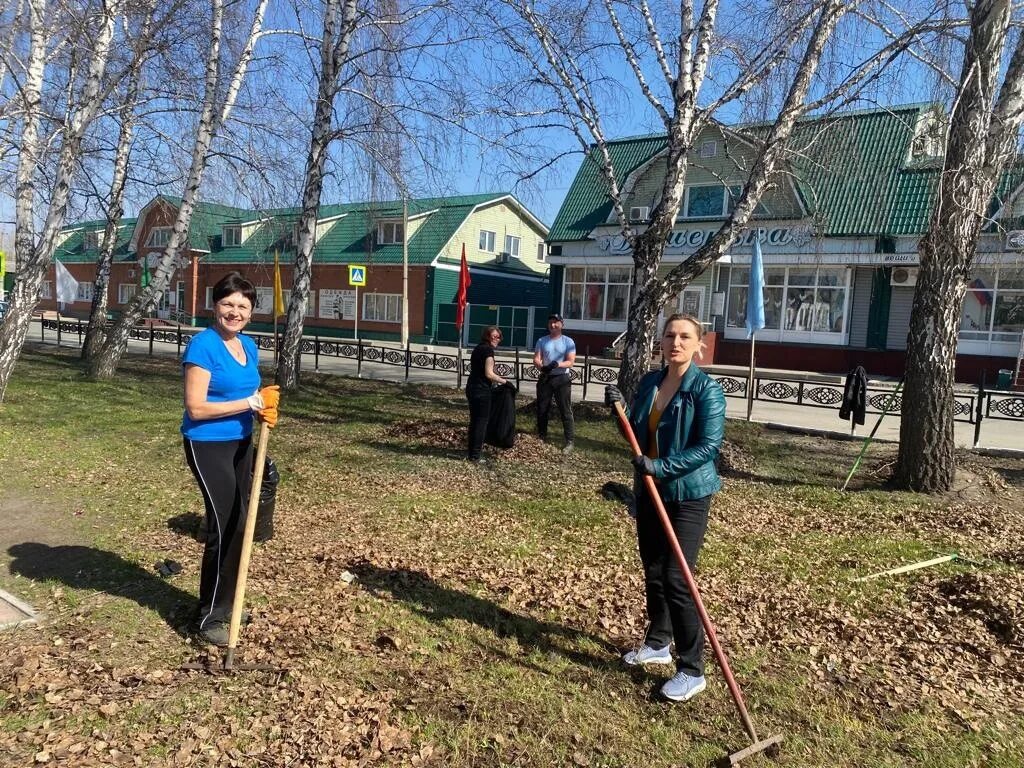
column 405, row 271
column 750, row 377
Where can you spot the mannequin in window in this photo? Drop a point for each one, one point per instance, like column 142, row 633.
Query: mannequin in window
column 805, row 312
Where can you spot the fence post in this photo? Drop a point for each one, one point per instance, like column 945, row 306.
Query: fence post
column 151, row 334
column 58, row 329
column 408, row 359
column 316, row 352
column 979, row 412
column 517, row 367
column 79, row 333
column 586, row 362
column 179, row 341
column 458, row 368
column 359, row 358
column 42, row 328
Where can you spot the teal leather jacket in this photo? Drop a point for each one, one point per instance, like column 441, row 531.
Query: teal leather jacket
column 689, row 434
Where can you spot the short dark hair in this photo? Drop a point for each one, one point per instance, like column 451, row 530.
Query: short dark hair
column 233, row 282
column 485, row 335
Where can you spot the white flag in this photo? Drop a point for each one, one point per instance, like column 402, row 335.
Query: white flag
column 67, row 286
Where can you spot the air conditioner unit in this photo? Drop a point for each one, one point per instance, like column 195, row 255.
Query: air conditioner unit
column 639, row 213
column 905, row 277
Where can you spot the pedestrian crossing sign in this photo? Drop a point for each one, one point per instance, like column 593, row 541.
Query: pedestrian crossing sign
column 356, row 274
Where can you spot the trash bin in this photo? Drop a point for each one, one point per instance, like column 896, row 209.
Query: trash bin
column 268, row 499
column 1005, row 378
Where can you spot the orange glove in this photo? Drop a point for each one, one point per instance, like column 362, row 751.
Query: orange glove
column 271, row 397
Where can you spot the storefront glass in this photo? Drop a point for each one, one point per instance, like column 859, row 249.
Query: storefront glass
column 596, row 293
column 994, row 306
column 807, row 304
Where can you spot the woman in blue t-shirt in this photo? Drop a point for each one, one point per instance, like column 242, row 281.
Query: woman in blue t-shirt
column 222, row 391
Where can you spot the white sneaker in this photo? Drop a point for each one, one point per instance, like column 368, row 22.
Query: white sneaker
column 647, row 655
column 683, row 687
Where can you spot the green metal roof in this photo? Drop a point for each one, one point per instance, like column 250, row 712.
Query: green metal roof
column 73, row 250
column 351, row 238
column 847, row 169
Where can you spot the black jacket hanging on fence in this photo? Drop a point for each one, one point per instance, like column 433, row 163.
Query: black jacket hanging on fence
column 855, row 395
column 501, row 424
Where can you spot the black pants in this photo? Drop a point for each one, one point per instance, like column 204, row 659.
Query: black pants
column 223, row 471
column 560, row 388
column 670, row 608
column 479, row 397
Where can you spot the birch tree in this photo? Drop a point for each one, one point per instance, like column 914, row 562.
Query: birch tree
column 96, row 333
column 34, row 251
column 339, row 22
column 688, row 69
column 219, row 95
column 983, row 134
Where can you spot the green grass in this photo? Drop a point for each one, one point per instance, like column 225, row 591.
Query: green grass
column 491, row 603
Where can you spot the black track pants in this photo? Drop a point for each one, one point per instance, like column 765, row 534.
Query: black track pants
column 560, row 388
column 670, row 608
column 479, row 397
column 223, row 471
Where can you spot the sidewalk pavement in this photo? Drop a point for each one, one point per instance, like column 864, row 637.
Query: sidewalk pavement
column 994, row 433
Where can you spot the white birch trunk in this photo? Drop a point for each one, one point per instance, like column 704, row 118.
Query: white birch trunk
column 34, row 257
column 104, row 364
column 339, row 23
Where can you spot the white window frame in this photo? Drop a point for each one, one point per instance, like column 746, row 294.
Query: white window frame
column 990, row 346
column 264, row 300
column 46, row 289
column 375, row 298
column 513, row 246
column 94, row 239
column 782, row 334
column 686, row 201
column 542, row 252
column 208, row 301
column 126, row 292
column 390, row 233
column 603, row 324
column 487, row 238
column 236, row 235
column 154, row 242
column 86, row 291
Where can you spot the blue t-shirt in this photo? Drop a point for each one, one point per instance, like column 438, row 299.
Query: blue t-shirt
column 229, row 380
column 555, row 351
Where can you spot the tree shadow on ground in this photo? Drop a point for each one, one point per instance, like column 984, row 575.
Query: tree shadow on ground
column 96, row 569
column 438, row 603
column 188, row 524
column 419, row 449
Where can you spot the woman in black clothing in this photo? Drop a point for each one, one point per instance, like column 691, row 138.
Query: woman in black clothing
column 478, row 388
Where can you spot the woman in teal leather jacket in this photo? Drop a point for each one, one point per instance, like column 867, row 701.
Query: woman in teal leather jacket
column 678, row 417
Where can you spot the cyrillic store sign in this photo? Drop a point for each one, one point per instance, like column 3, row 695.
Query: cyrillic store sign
column 690, row 239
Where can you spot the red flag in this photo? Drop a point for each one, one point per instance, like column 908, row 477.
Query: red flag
column 460, row 297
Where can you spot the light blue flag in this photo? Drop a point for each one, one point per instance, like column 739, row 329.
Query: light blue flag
column 755, row 290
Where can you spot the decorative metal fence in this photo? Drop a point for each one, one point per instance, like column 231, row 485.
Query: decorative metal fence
column 970, row 405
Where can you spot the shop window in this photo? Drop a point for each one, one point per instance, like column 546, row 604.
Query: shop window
column 125, row 292
column 596, row 293
column 994, row 306
column 85, row 291
column 799, row 302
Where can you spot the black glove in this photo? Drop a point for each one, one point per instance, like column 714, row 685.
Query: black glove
column 549, row 367
column 644, row 465
column 612, row 395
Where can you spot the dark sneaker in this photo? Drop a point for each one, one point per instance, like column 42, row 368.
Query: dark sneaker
column 215, row 633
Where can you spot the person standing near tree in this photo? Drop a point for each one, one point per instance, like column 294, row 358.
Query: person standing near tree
column 554, row 356
column 222, row 392
column 678, row 417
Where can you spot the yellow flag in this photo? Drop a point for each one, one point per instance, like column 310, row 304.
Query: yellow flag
column 279, row 308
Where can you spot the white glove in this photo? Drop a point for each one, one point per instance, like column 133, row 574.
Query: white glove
column 255, row 401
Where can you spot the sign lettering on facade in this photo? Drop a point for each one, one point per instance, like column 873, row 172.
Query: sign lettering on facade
column 899, row 258
column 679, row 240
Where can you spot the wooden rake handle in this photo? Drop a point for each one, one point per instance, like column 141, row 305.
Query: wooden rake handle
column 247, row 539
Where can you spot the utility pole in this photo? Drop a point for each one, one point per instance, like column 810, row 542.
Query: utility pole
column 405, row 270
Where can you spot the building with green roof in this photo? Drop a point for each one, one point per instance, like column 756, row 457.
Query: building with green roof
column 838, row 229
column 503, row 241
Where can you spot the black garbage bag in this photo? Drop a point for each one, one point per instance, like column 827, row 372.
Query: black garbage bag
column 501, row 425
column 268, row 500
